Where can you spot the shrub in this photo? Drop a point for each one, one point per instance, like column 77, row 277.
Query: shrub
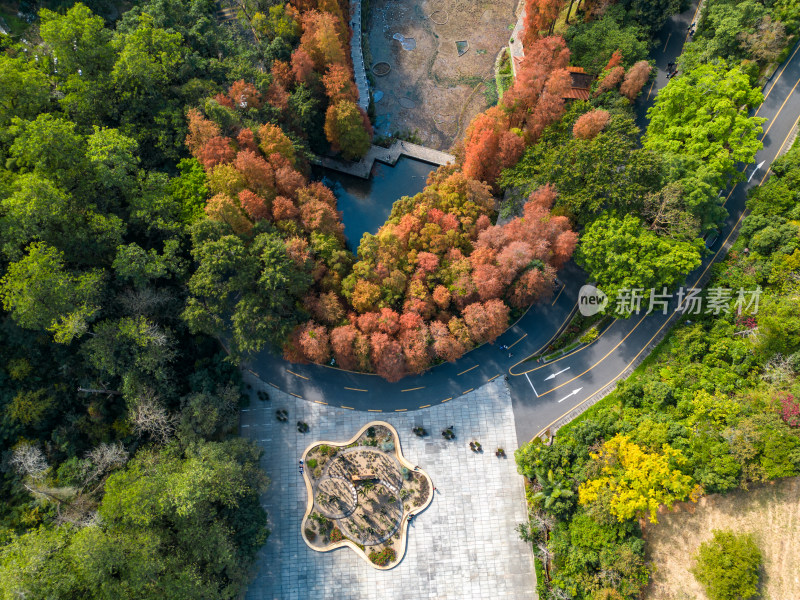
column 728, row 566
column 327, row 450
column 336, row 535
column 310, row 535
column 311, row 463
column 589, row 336
column 790, row 410
column 384, row 557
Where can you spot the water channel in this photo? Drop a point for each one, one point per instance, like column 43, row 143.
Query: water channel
column 366, row 203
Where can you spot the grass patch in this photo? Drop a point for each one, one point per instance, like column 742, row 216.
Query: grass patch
column 770, row 513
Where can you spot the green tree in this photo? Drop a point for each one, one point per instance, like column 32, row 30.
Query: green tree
column 593, row 42
column 34, row 565
column 78, row 40
column 652, row 15
column 722, row 32
column 41, row 294
column 39, row 210
column 50, row 147
column 138, row 266
column 190, row 190
column 728, row 566
column 778, row 326
column 607, row 172
column 619, row 254
column 132, row 347
column 148, row 60
column 114, row 159
column 24, row 89
column 256, row 286
column 702, row 118
column 347, row 130
column 555, row 495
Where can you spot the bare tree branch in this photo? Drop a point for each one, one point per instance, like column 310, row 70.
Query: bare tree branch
column 149, row 417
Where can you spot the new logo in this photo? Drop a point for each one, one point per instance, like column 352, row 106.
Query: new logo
column 591, row 300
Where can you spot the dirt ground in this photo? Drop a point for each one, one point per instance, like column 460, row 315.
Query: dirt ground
column 430, row 88
column 770, row 512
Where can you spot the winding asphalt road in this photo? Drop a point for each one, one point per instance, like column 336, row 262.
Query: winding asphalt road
column 544, row 393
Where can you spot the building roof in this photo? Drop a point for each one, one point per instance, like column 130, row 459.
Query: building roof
column 577, row 94
column 581, row 83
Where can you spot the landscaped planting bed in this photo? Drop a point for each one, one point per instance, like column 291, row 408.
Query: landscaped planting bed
column 362, row 494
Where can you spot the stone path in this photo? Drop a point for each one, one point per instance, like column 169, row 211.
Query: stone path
column 389, row 155
column 515, row 48
column 356, row 53
column 462, row 547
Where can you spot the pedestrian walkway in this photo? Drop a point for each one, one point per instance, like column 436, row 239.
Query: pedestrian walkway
column 389, row 156
column 462, row 547
column 516, row 51
column 357, row 54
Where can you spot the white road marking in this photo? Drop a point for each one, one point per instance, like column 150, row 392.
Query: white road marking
column 572, row 393
column 533, row 388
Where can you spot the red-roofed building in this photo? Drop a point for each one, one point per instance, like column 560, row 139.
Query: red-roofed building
column 581, row 84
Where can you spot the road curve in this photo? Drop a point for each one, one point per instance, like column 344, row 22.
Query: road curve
column 540, row 400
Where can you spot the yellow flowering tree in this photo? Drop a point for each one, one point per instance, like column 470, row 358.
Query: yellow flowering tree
column 632, row 480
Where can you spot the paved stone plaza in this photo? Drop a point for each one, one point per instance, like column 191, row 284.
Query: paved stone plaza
column 463, row 546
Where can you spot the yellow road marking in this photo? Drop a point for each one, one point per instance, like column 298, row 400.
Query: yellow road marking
column 273, row 385
column 493, row 378
column 468, row 370
column 400, row 409
column 296, row 374
column 295, row 395
column 673, row 313
column 252, row 372
column 374, row 410
column 667, row 42
column 413, row 389
column 547, row 343
column 518, row 341
column 354, row 389
column 320, row 402
column 553, row 303
column 347, row 407
column 779, row 110
column 425, row 406
column 468, row 391
column 774, row 83
column 446, row 399
column 694, row 18
column 560, row 358
column 786, row 139
column 651, row 89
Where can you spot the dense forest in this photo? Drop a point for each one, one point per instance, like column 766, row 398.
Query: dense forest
column 122, row 476
column 159, row 223
column 714, row 407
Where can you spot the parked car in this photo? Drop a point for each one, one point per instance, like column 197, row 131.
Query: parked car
column 711, row 238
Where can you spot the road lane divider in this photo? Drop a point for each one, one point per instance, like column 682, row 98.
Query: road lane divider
column 518, row 341
column 468, row 370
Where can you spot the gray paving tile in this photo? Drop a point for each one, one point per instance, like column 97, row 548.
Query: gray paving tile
column 462, row 547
